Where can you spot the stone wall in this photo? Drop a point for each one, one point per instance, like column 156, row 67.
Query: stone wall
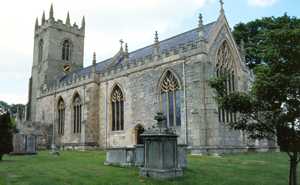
column 88, row 92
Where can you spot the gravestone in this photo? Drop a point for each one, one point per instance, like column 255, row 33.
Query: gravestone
column 160, row 151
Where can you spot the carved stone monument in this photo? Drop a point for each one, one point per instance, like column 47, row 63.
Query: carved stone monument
column 160, row 151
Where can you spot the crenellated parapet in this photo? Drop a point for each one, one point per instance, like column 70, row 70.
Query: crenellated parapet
column 72, row 82
column 164, row 56
column 58, row 24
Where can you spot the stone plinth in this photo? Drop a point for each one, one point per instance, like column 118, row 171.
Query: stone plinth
column 139, row 155
column 121, row 156
column 24, row 144
column 160, row 151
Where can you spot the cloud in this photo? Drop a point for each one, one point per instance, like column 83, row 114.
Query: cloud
column 106, row 22
column 261, row 3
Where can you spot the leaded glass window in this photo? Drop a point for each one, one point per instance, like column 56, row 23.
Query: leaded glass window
column 170, row 99
column 117, row 109
column 77, row 112
column 225, row 68
column 61, row 117
column 66, row 50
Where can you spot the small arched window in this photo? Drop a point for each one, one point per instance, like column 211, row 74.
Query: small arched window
column 170, row 99
column 61, row 117
column 66, row 50
column 77, row 112
column 117, row 109
column 225, row 68
column 40, row 51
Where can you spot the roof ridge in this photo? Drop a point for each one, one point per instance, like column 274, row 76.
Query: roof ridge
column 171, row 37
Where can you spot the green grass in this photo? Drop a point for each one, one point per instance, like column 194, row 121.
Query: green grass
column 86, row 168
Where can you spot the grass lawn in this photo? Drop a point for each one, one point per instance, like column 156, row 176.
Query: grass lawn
column 86, row 168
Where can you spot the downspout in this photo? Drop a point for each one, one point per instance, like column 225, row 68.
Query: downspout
column 84, row 121
column 204, row 104
column 185, row 103
column 53, row 147
column 106, row 131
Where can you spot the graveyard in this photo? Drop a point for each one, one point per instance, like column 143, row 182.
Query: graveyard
column 87, row 168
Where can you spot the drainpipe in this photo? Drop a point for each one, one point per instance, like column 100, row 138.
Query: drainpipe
column 53, row 147
column 106, row 131
column 185, row 103
column 83, row 121
column 204, row 104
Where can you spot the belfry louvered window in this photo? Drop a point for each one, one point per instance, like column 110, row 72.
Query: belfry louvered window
column 117, row 107
column 77, row 110
column 170, row 99
column 40, row 50
column 225, row 68
column 66, row 50
column 61, row 117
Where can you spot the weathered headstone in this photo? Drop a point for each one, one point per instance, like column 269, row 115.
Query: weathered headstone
column 24, row 144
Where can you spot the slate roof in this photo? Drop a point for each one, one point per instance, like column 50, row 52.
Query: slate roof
column 166, row 44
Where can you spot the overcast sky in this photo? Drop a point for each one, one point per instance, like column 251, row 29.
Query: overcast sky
column 107, row 21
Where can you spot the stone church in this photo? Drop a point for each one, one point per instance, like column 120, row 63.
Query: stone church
column 110, row 103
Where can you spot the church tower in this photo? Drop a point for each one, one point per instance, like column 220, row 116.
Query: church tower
column 58, row 50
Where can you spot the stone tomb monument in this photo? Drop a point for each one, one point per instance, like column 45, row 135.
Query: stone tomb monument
column 160, row 152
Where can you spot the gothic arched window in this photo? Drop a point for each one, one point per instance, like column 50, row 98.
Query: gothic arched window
column 225, row 68
column 170, row 99
column 117, row 109
column 61, row 117
column 40, row 50
column 66, row 50
column 77, row 110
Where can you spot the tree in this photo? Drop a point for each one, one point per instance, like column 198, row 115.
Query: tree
column 271, row 109
column 252, row 34
column 4, row 105
column 14, row 108
column 6, row 132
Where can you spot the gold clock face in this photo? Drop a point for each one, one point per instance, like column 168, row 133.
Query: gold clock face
column 67, row 67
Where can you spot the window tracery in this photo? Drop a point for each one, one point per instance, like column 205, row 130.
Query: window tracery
column 225, row 68
column 117, row 106
column 170, row 99
column 61, row 117
column 77, row 112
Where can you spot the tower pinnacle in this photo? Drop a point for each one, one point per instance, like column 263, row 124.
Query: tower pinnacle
column 43, row 18
column 83, row 23
column 68, row 19
column 51, row 13
column 36, row 23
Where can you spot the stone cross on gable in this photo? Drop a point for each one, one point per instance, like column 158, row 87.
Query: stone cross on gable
column 222, row 5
